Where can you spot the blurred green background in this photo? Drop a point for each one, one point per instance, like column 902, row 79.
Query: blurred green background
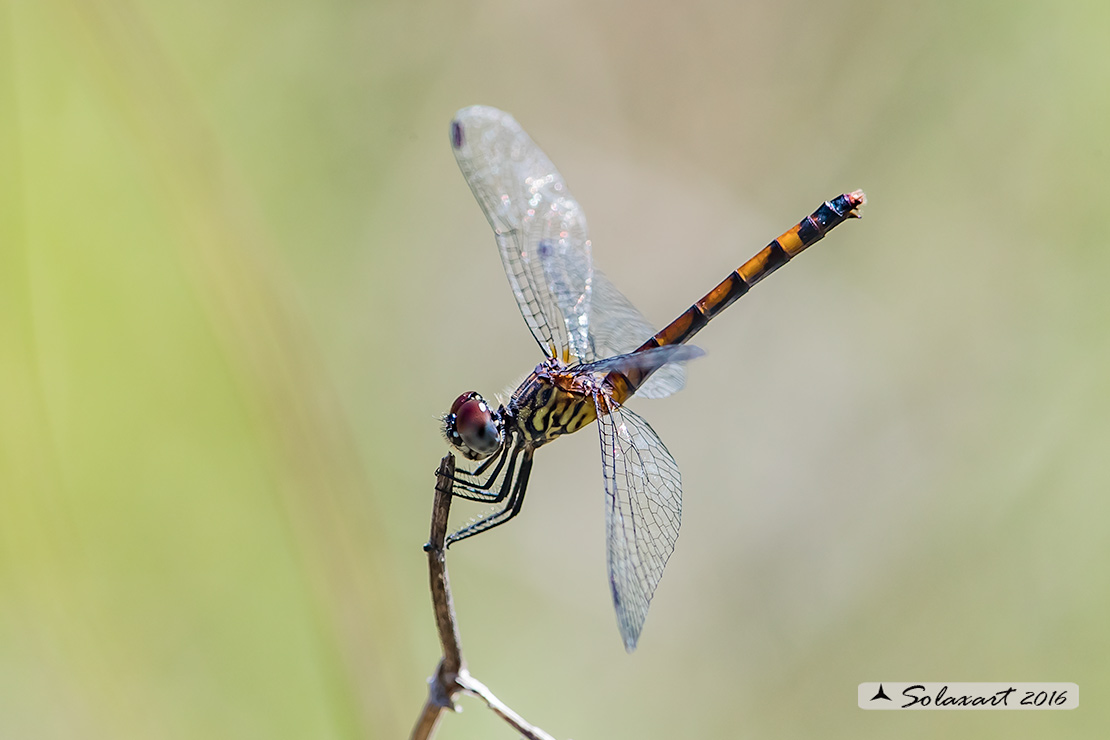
column 240, row 276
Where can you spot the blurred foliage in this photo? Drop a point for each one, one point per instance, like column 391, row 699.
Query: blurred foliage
column 240, row 276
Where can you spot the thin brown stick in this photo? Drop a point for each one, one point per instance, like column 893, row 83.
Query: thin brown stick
column 475, row 687
column 451, row 677
column 442, row 602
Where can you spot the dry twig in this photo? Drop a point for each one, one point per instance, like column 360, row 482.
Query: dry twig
column 451, row 677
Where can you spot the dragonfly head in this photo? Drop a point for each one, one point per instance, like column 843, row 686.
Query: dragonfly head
column 473, row 428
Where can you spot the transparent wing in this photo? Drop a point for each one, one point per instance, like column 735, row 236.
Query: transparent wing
column 643, row 499
column 645, row 360
column 540, row 229
column 617, row 328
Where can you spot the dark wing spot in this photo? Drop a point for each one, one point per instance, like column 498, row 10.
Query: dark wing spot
column 543, row 249
column 456, row 134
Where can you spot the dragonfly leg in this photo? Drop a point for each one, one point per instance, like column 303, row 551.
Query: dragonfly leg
column 482, row 493
column 470, row 485
column 480, row 490
column 470, row 493
column 477, row 472
column 512, row 507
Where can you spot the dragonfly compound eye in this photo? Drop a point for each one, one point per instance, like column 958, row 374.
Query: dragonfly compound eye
column 472, row 427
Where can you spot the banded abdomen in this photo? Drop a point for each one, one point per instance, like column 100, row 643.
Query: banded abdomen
column 776, row 254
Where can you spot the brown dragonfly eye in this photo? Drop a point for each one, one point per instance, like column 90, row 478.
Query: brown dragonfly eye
column 468, row 396
column 472, row 427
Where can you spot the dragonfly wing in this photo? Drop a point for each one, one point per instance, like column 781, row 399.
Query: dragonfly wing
column 645, row 360
column 539, row 226
column 617, row 328
column 643, row 510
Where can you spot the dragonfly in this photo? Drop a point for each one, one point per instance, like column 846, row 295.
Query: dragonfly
column 599, row 351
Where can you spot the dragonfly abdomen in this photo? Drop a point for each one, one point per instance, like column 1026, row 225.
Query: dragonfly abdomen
column 776, row 254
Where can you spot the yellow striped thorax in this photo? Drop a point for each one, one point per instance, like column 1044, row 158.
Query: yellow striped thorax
column 552, row 401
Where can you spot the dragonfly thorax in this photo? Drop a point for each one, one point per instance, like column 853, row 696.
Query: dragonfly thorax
column 473, row 428
column 552, row 401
